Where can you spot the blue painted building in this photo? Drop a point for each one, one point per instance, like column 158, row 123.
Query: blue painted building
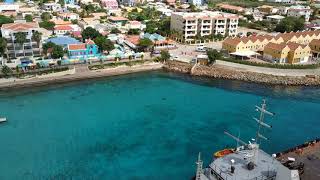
column 84, row 50
column 70, row 2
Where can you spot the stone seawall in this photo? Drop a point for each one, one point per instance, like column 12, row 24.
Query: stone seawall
column 223, row 72
column 177, row 66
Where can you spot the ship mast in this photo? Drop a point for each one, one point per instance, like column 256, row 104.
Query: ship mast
column 261, row 124
column 260, row 121
column 199, row 167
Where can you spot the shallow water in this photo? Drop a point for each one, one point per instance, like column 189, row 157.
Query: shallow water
column 142, row 126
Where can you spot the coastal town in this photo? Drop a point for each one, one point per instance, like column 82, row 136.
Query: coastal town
column 270, row 42
column 61, row 37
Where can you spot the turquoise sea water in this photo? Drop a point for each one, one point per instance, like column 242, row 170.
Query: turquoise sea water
column 142, row 126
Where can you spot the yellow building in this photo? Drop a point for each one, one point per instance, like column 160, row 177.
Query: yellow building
column 315, row 48
column 276, row 52
column 249, row 45
column 292, row 53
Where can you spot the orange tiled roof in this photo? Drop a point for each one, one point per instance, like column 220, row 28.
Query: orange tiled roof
column 134, row 39
column 77, row 46
column 20, row 26
column 233, row 41
column 230, row 7
column 118, row 18
column 275, row 46
column 315, row 42
column 62, row 27
column 61, row 22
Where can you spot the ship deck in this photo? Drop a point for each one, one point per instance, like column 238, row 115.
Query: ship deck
column 310, row 156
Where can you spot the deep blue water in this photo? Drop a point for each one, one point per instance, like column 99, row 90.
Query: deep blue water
column 142, row 126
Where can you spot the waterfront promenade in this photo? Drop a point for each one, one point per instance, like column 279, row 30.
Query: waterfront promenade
column 271, row 71
column 81, row 72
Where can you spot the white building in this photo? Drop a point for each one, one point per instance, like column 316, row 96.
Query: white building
column 4, row 7
column 300, row 11
column 69, row 16
column 196, row 2
column 204, row 23
column 275, row 18
column 16, row 50
column 51, row 7
column 282, row 1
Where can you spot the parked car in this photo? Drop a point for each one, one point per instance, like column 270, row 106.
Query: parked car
column 201, row 48
column 174, row 57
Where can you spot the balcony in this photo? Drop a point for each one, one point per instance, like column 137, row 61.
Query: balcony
column 192, row 22
column 190, row 27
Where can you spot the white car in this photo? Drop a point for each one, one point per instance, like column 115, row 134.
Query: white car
column 174, row 57
column 201, row 49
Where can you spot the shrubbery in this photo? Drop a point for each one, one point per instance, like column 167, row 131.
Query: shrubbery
column 270, row 65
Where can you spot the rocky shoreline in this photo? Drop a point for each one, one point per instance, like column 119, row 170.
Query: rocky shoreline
column 223, row 72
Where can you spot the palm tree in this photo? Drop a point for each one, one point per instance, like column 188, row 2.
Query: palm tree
column 3, row 45
column 36, row 36
column 21, row 37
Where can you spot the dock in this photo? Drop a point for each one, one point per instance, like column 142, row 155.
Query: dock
column 307, row 154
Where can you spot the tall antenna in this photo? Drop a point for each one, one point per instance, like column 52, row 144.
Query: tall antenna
column 199, row 167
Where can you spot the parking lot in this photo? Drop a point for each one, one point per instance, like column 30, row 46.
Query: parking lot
column 187, row 52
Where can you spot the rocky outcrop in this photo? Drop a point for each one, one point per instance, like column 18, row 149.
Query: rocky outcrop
column 223, row 72
column 178, row 66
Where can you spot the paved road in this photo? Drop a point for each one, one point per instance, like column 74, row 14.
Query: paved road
column 273, row 71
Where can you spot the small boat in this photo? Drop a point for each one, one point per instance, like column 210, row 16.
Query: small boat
column 223, row 152
column 3, row 120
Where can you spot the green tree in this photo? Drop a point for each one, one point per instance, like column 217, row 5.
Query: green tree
column 152, row 27
column 164, row 55
column 46, row 16
column 115, row 31
column 36, row 36
column 57, row 52
column 61, row 2
column 133, row 32
column 164, row 27
column 59, row 62
column 6, row 70
column 90, row 33
column 75, row 21
column 145, row 44
column 5, row 20
column 289, row 24
column 21, row 37
column 47, row 25
column 47, row 46
column 3, row 46
column 28, row 18
column 103, row 43
column 213, row 55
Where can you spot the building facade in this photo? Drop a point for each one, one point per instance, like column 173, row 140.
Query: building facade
column 300, row 11
column 275, row 48
column 29, row 48
column 292, row 53
column 204, row 24
column 84, row 50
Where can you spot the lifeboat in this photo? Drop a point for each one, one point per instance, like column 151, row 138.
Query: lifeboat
column 223, row 152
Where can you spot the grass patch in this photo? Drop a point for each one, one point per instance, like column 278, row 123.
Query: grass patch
column 276, row 66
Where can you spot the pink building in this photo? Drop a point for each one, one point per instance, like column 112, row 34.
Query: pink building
column 110, row 4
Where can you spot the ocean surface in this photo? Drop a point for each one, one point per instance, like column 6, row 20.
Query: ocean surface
column 143, row 126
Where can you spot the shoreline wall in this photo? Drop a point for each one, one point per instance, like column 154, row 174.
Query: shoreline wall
column 90, row 75
column 223, row 72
